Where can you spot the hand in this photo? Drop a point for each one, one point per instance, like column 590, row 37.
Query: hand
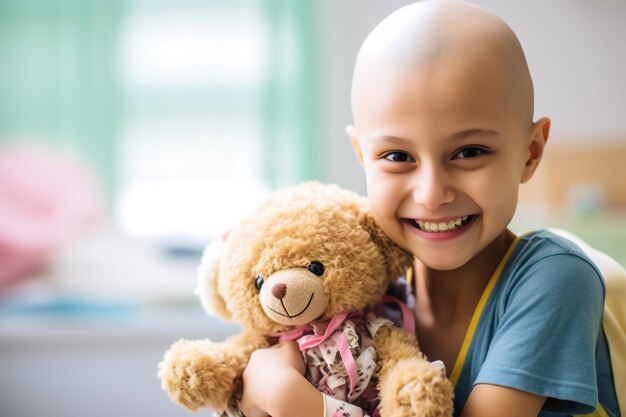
column 266, row 377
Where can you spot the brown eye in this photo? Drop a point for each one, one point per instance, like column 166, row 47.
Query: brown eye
column 399, row 157
column 469, row 152
column 259, row 282
column 317, row 268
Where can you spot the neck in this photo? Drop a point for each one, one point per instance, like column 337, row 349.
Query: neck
column 443, row 296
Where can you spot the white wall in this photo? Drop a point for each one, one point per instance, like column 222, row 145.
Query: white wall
column 576, row 51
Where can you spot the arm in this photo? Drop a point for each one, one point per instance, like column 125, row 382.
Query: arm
column 488, row 400
column 274, row 385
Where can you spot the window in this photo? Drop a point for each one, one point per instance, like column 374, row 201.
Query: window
column 186, row 107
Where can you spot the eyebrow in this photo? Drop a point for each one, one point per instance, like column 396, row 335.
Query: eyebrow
column 389, row 139
column 455, row 136
column 473, row 132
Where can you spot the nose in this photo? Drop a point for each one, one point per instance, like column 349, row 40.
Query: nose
column 279, row 290
column 432, row 188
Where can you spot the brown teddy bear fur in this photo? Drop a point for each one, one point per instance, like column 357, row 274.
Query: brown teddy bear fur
column 278, row 242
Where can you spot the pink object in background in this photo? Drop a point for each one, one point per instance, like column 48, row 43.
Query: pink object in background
column 46, row 197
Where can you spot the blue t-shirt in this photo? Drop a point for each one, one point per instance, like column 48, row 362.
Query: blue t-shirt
column 538, row 328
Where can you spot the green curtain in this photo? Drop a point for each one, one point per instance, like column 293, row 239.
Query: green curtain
column 291, row 100
column 59, row 81
column 58, row 76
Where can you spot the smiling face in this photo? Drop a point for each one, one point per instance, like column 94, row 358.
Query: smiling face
column 445, row 136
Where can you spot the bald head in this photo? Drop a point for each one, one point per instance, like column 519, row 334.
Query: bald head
column 445, row 33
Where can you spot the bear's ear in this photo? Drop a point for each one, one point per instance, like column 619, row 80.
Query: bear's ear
column 208, row 278
column 398, row 259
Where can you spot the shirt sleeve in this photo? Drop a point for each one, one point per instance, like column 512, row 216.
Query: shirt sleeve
column 546, row 339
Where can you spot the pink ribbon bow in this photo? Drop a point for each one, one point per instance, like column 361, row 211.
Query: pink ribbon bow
column 313, row 340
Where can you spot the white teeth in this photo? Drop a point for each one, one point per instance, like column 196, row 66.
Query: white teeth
column 448, row 226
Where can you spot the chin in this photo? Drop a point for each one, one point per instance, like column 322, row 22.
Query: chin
column 440, row 264
column 443, row 266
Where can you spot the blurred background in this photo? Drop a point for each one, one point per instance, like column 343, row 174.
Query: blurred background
column 134, row 132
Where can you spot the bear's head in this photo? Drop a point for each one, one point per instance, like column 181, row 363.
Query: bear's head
column 307, row 253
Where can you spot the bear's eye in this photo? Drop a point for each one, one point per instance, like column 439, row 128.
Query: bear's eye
column 259, row 282
column 317, row 268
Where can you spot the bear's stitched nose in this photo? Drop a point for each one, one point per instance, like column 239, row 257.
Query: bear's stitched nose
column 279, row 290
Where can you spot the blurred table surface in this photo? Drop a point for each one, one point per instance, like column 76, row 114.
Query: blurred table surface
column 99, row 364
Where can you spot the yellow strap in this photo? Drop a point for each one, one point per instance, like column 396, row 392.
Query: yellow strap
column 469, row 335
column 409, row 276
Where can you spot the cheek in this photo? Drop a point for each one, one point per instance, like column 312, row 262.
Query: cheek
column 378, row 178
column 494, row 187
column 382, row 192
column 497, row 192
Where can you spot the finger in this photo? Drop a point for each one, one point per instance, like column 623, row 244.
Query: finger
column 290, row 346
column 292, row 352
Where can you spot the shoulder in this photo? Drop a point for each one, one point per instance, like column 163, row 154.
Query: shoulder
column 545, row 243
column 548, row 259
column 549, row 275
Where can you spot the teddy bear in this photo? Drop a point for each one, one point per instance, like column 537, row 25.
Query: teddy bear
column 310, row 264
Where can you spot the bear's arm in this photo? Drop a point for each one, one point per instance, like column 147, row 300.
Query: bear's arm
column 408, row 384
column 202, row 373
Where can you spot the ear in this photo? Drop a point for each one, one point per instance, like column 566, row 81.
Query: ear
column 398, row 260
column 539, row 136
column 208, row 278
column 356, row 144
